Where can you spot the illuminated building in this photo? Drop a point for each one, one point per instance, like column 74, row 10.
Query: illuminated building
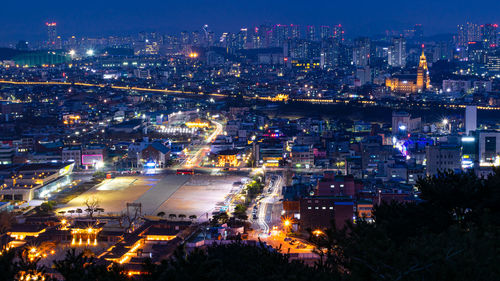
column 21, row 231
column 320, row 211
column 361, row 52
column 228, row 158
column 311, row 33
column 397, row 53
column 493, row 62
column 364, row 209
column 402, row 123
column 410, row 83
column 85, row 233
column 338, row 32
column 33, row 181
column 489, row 35
column 442, row 158
column 51, row 34
column 488, row 148
column 423, row 79
column 326, row 32
column 470, row 118
column 302, row 156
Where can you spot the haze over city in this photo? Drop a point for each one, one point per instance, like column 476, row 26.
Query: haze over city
column 361, row 18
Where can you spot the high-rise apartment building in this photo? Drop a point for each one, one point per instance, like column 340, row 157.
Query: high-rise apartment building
column 311, row 33
column 397, row 53
column 325, row 32
column 51, row 34
column 361, row 52
column 470, row 118
column 489, row 35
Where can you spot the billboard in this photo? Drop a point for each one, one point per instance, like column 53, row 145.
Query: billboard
column 92, row 159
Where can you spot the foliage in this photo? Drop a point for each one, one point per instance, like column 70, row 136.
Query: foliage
column 6, row 221
column 81, row 267
column 47, row 207
column 240, row 212
column 451, row 235
column 99, row 175
column 232, row 262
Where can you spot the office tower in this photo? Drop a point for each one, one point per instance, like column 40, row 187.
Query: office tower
column 489, row 35
column 51, row 34
column 470, row 118
column 325, row 32
column 338, row 32
column 361, row 52
column 311, row 33
column 397, row 53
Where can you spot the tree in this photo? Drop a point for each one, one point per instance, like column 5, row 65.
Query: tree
column 161, row 214
column 240, row 212
column 192, row 217
column 450, row 235
column 233, row 262
column 92, row 204
column 6, row 221
column 83, row 267
column 182, row 216
column 8, row 266
column 99, row 175
column 47, row 207
column 220, row 218
column 172, row 216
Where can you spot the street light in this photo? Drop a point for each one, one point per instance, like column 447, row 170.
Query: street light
column 90, row 52
column 318, row 232
column 286, row 223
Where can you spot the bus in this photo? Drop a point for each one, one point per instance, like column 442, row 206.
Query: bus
column 185, row 171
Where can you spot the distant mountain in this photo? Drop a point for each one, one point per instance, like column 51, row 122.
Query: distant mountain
column 8, row 53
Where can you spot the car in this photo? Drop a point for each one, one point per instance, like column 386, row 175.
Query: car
column 287, row 239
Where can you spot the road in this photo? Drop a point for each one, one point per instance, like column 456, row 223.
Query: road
column 194, row 159
column 272, row 99
column 266, row 212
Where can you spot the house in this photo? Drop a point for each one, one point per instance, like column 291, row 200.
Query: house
column 156, row 154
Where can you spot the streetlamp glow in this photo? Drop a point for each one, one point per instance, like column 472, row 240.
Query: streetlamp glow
column 90, row 52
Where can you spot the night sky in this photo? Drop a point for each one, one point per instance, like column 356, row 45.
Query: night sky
column 25, row 19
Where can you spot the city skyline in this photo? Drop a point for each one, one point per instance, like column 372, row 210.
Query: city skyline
column 363, row 18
